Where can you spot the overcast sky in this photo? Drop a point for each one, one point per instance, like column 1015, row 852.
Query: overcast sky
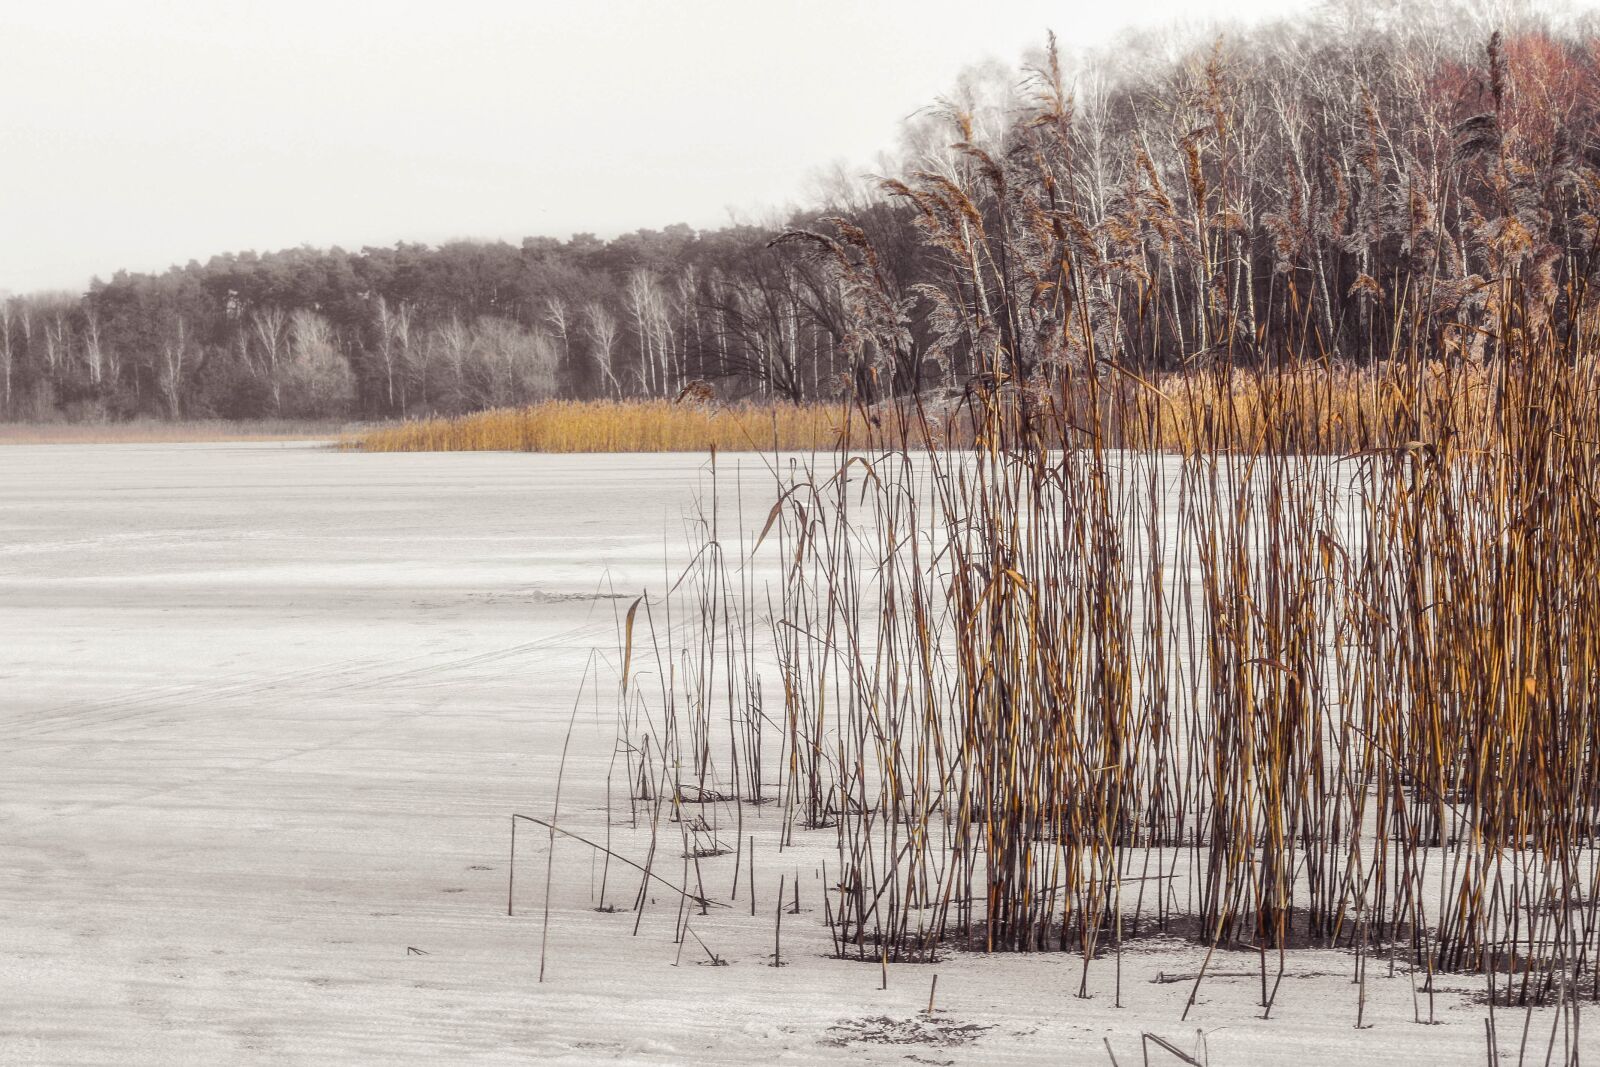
column 142, row 134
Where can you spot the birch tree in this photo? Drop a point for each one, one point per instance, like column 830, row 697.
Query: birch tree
column 7, row 353
column 601, row 326
column 558, row 317
column 270, row 325
column 174, row 365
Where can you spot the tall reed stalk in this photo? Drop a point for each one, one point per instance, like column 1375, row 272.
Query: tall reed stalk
column 1264, row 651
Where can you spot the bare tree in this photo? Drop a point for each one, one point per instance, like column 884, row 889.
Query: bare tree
column 56, row 342
column 515, row 365
column 646, row 308
column 688, row 309
column 320, row 382
column 557, row 316
column 394, row 343
column 602, row 330
column 7, row 353
column 93, row 351
column 452, row 342
column 407, row 354
column 271, row 329
column 174, row 364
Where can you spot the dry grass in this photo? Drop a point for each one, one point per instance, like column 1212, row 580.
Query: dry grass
column 151, row 432
column 1313, row 409
column 1317, row 408
column 623, row 426
column 1058, row 698
column 1269, row 652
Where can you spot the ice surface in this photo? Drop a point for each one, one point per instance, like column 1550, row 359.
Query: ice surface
column 267, row 710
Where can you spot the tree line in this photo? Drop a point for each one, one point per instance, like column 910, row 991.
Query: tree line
column 1345, row 186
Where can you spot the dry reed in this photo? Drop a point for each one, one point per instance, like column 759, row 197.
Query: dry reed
column 1269, row 651
column 622, row 426
column 1321, row 408
column 1059, row 697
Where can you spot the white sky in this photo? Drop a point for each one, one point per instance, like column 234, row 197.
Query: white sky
column 141, row 134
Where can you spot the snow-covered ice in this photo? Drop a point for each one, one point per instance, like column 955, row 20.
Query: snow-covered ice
column 266, row 710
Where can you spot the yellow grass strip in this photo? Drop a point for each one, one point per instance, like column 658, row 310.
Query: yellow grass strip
column 605, row 426
column 1310, row 409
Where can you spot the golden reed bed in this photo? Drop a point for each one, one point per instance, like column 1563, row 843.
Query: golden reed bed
column 1326, row 408
column 625, row 426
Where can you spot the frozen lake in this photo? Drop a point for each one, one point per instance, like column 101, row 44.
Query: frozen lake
column 266, row 711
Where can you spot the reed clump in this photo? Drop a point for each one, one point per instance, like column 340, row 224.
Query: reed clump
column 1269, row 651
column 1327, row 407
column 1053, row 694
column 617, row 426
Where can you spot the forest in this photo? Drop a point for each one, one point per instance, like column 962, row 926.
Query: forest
column 1341, row 187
